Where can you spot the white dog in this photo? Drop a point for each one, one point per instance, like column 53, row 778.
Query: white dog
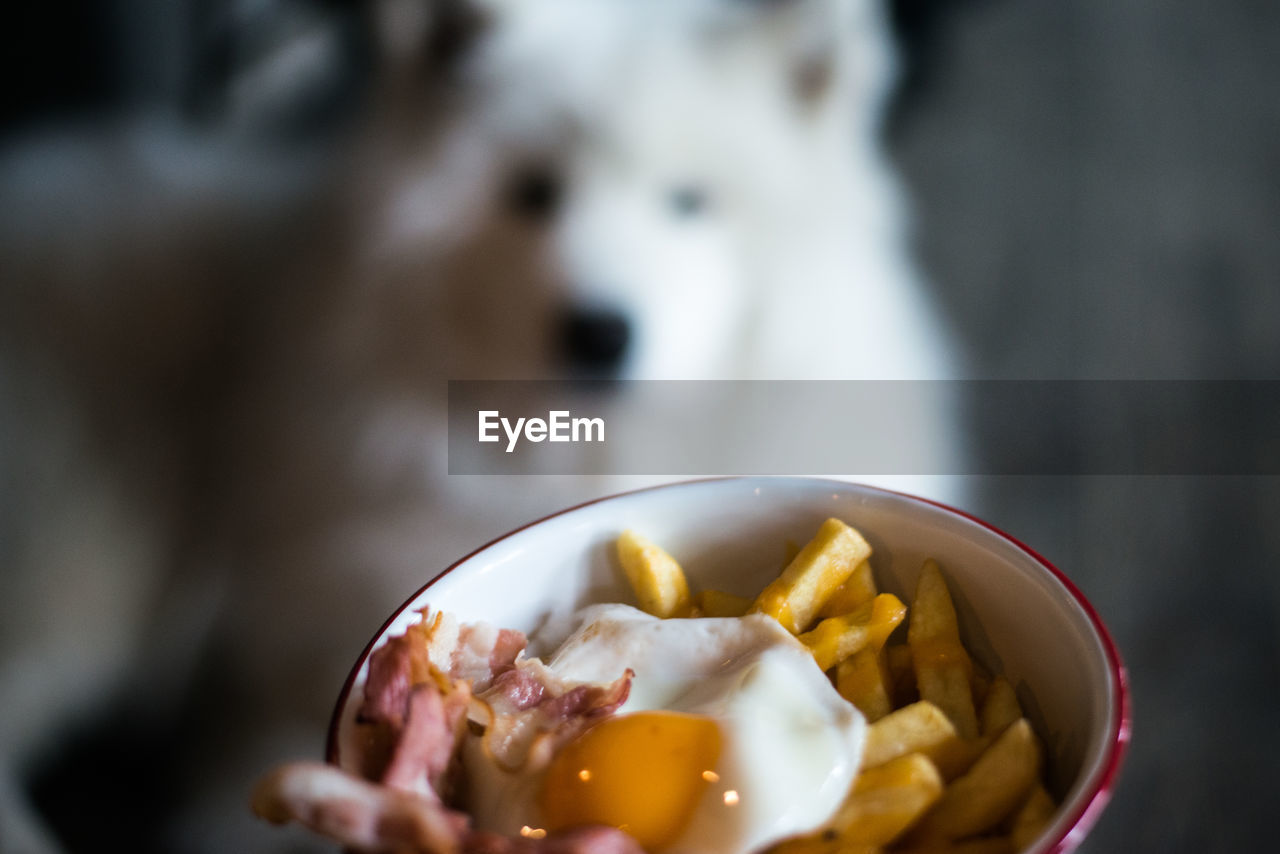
column 656, row 189
column 682, row 189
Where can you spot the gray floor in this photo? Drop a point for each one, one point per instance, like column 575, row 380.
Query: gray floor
column 1098, row 196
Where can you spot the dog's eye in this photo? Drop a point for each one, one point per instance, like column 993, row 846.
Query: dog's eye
column 688, row 201
column 535, row 192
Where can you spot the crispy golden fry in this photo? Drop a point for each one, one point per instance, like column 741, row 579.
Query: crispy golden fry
column 717, row 603
column 1000, row 708
column 902, row 674
column 993, row 788
column 956, row 757
column 979, row 683
column 656, row 578
column 795, row 596
column 863, row 680
column 817, row 843
column 858, row 589
column 947, row 687
column 942, row 665
column 886, row 800
column 836, row 638
column 922, row 727
column 1032, row 817
column 983, row 845
column 919, row 728
column 948, row 754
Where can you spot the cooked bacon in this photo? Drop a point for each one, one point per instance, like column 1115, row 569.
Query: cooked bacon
column 417, row 697
column 506, row 649
column 390, row 680
column 374, row 819
column 529, row 713
column 590, row 702
column 520, row 688
column 361, row 815
column 475, row 653
column 428, row 742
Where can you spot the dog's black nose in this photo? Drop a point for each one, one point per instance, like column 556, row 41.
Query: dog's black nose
column 594, row 339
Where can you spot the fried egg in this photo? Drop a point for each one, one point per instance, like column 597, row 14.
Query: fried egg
column 731, row 738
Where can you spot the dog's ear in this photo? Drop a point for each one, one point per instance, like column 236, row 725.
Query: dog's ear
column 831, row 49
column 809, row 32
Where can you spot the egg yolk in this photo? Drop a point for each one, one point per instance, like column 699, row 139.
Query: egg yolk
column 643, row 773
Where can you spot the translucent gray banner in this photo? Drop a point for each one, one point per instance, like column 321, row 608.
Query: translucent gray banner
column 1067, row 427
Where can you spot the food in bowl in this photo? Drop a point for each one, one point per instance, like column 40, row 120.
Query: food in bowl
column 729, row 738
column 693, row 733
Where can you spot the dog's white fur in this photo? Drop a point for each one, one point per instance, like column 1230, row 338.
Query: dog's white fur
column 330, row 500
column 773, row 116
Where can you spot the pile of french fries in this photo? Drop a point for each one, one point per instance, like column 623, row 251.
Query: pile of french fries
column 950, row 762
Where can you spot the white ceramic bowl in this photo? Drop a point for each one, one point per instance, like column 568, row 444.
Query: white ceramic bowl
column 1019, row 615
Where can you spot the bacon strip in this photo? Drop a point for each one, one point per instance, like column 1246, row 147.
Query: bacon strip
column 520, row 688
column 428, row 741
column 476, row 653
column 390, row 680
column 417, row 694
column 374, row 819
column 361, row 815
column 589, row 703
column 506, row 649
column 529, row 713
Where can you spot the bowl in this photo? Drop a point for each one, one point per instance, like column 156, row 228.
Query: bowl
column 1018, row 614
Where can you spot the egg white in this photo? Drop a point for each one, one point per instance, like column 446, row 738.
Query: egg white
column 790, row 745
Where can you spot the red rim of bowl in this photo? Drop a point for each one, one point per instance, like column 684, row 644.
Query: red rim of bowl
column 1092, row 804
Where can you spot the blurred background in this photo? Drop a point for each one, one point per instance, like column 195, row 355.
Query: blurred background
column 1096, row 197
column 1095, row 189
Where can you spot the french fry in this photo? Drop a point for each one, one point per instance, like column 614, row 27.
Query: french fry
column 919, row 728
column 979, row 683
column 942, row 665
column 836, row 638
column 886, row 800
column 818, row 843
column 862, row 680
column 993, row 788
column 902, row 674
column 950, row 765
column 982, row 845
column 717, row 603
column 1000, row 708
column 656, row 578
column 1032, row 817
column 858, row 588
column 795, row 597
column 956, row 757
